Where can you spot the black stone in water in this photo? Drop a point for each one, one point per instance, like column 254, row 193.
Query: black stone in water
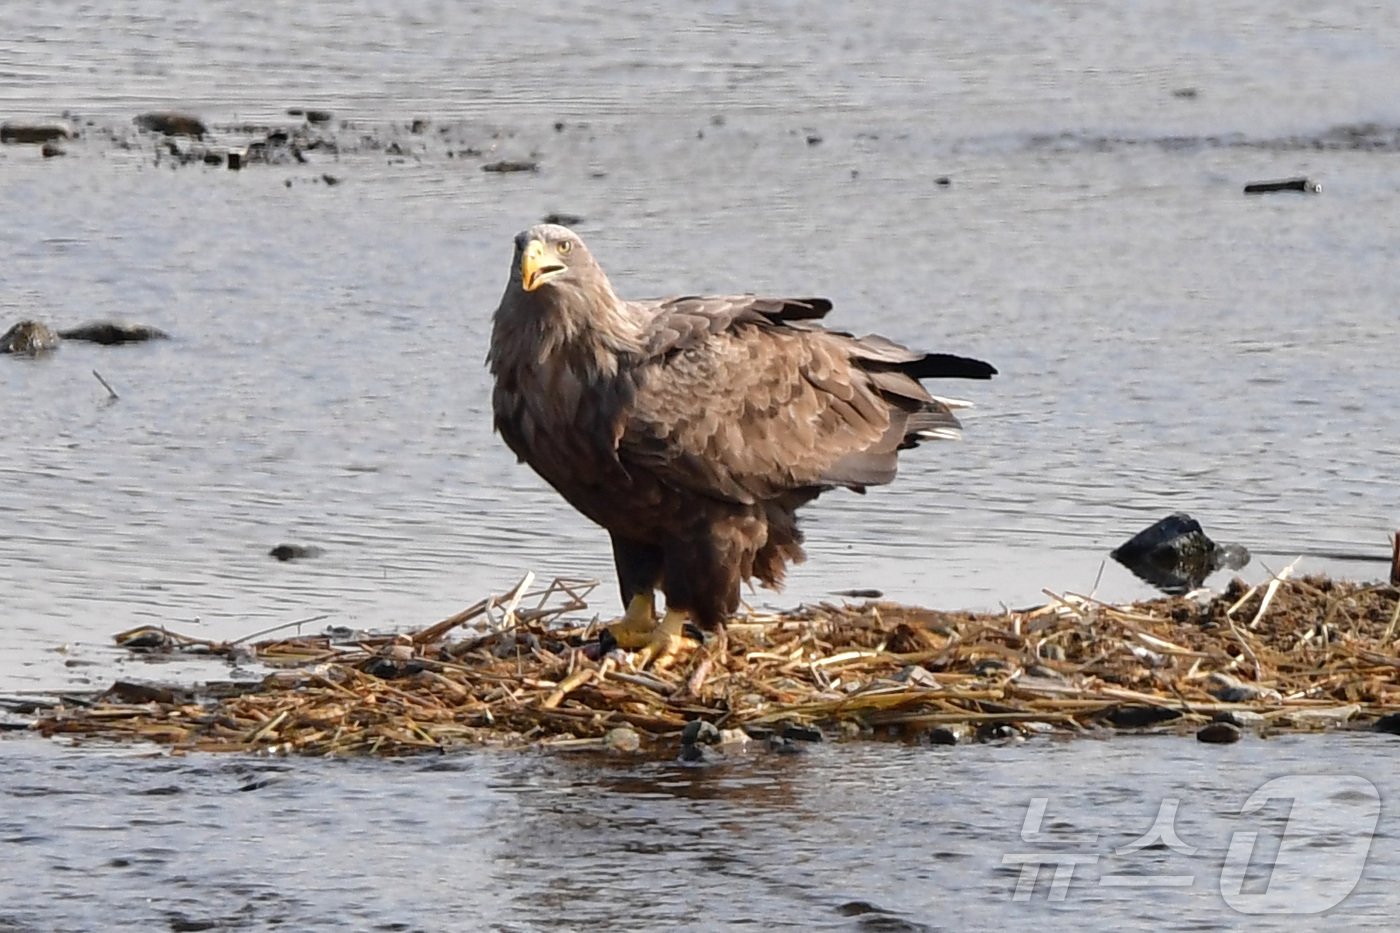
column 694, row 753
column 1140, row 717
column 286, row 552
column 1175, row 554
column 941, row 735
column 996, row 732
column 1283, row 184
column 1389, row 723
column 700, row 732
column 1218, row 733
column 797, row 733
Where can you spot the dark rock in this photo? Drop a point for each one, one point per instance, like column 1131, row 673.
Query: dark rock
column 1140, row 717
column 1186, row 93
column 696, row 754
column 700, row 732
column 418, row 125
column 36, row 133
column 996, row 732
column 1284, row 184
column 511, row 165
column 987, row 667
column 389, row 668
column 795, row 732
column 285, row 552
column 236, row 159
column 1176, row 556
column 318, row 116
column 1218, row 733
column 124, row 691
column 943, row 181
column 172, row 123
column 784, row 746
column 52, row 150
column 564, row 220
column 112, row 332
column 330, row 180
column 860, row 593
column 1389, row 724
column 146, row 639
column 941, row 735
column 29, row 338
column 814, row 139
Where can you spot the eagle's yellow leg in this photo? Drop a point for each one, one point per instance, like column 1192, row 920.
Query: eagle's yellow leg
column 666, row 641
column 635, row 628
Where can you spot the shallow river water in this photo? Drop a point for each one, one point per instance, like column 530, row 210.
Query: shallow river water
column 1165, row 343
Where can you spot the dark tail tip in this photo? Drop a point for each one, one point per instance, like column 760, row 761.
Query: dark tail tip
column 948, row 366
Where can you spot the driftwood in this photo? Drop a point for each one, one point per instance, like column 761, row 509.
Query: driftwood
column 1295, row 653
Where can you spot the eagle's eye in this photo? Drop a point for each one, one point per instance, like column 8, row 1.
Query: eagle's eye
column 564, row 247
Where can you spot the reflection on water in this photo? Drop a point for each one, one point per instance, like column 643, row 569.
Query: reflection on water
column 844, row 837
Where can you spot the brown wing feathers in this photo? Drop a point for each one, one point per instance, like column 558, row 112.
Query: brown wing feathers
column 742, row 398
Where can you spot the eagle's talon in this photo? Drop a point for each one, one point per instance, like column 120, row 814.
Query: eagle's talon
column 634, row 630
column 666, row 642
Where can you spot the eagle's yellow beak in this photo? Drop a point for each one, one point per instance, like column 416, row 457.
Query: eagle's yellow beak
column 538, row 264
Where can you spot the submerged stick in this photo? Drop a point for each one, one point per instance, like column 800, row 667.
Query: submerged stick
column 111, row 391
column 277, row 628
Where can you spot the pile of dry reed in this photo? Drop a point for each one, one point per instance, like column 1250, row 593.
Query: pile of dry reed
column 1292, row 654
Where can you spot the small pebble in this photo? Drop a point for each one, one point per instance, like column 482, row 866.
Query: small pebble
column 799, row 733
column 700, row 732
column 1389, row 723
column 917, row 676
column 511, row 165
column 1218, row 733
column 285, row 552
column 623, row 739
column 35, row 132
column 172, row 123
column 941, row 735
column 997, row 732
column 694, row 754
column 1140, row 717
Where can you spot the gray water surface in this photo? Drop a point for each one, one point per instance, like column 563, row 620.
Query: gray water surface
column 1165, row 343
column 860, row 837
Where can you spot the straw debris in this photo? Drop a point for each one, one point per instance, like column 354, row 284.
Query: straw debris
column 1297, row 653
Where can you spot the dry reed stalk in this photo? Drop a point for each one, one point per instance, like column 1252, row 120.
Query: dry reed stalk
column 1319, row 654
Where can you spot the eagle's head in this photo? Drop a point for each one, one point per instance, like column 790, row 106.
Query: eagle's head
column 549, row 256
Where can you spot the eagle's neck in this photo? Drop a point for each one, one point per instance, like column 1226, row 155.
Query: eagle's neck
column 560, row 326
